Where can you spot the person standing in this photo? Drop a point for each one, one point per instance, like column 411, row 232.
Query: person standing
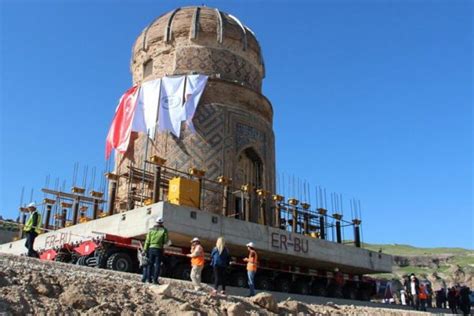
column 197, row 262
column 452, row 300
column 252, row 262
column 414, row 290
column 441, row 298
column 423, row 296
column 465, row 301
column 220, row 260
column 32, row 229
column 156, row 239
column 403, row 297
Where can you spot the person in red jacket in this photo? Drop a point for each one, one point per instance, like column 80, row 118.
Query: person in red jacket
column 422, row 296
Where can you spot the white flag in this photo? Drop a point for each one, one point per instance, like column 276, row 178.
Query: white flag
column 171, row 104
column 195, row 85
column 147, row 107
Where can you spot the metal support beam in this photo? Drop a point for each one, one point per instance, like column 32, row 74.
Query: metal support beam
column 338, row 232
column 295, row 219
column 262, row 206
column 95, row 210
column 47, row 218
column 225, row 200
column 357, row 223
column 306, row 223
column 322, row 227
column 357, row 236
column 113, row 193
column 63, row 218
column 247, row 207
column 75, row 211
column 156, row 184
column 201, row 185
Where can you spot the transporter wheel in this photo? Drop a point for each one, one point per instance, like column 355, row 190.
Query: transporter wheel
column 350, row 293
column 82, row 261
column 263, row 283
column 119, row 261
column 335, row 291
column 62, row 257
column 101, row 255
column 364, row 294
column 302, row 287
column 282, row 285
column 238, row 279
column 183, row 272
column 319, row 289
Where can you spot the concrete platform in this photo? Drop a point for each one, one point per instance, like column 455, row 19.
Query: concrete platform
column 184, row 223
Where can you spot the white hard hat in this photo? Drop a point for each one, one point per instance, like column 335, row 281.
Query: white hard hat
column 159, row 220
column 32, row 204
column 250, row 244
column 195, row 239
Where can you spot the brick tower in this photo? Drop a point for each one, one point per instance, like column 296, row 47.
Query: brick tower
column 234, row 119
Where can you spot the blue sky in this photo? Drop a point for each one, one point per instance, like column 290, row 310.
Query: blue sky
column 372, row 99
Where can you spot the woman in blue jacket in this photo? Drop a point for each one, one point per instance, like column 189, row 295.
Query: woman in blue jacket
column 220, row 260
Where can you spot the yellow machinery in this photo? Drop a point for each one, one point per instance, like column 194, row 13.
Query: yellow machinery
column 184, row 191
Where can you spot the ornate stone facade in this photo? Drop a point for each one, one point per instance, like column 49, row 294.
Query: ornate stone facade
column 233, row 121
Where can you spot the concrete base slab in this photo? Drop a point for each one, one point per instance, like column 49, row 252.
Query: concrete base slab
column 184, row 223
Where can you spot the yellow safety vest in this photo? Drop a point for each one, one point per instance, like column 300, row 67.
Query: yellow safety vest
column 29, row 223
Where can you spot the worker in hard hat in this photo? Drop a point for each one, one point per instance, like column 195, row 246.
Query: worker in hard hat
column 32, row 228
column 155, row 240
column 197, row 262
column 252, row 261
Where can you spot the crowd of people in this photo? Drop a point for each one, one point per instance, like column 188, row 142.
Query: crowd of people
column 152, row 254
column 420, row 295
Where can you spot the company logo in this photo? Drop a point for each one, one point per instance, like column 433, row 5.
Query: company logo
column 171, row 102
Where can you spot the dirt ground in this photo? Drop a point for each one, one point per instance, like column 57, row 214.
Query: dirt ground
column 31, row 286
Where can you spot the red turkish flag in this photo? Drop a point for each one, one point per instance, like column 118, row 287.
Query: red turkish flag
column 119, row 132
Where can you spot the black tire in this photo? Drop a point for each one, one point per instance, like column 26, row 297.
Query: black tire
column 263, row 283
column 319, row 289
column 101, row 255
column 335, row 291
column 302, row 287
column 119, row 261
column 74, row 258
column 62, row 257
column 350, row 293
column 82, row 261
column 238, row 279
column 283, row 285
column 183, row 272
column 364, row 294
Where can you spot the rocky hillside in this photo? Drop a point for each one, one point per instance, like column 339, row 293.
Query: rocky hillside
column 441, row 266
column 30, row 286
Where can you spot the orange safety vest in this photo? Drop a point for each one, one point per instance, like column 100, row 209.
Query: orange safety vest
column 198, row 260
column 252, row 261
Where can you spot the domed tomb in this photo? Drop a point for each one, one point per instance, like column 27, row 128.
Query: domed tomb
column 234, row 136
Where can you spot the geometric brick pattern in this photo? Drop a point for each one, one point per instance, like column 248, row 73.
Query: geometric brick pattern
column 217, row 61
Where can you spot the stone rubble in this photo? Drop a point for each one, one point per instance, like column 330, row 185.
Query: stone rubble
column 31, row 286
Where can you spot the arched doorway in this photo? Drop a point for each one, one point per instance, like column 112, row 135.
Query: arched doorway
column 249, row 170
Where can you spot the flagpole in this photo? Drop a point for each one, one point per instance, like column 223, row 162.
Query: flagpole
column 157, row 114
column 144, row 166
